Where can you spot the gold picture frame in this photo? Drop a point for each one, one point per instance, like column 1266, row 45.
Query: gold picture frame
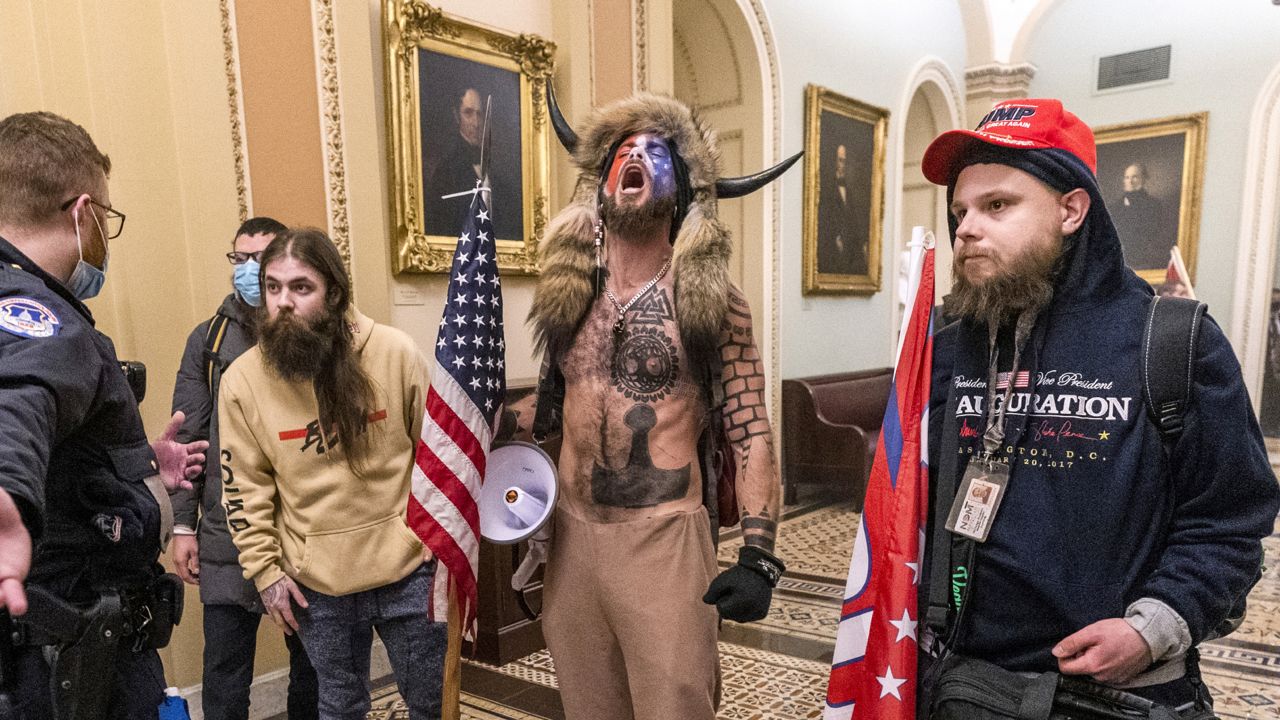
column 1168, row 155
column 842, row 230
column 440, row 70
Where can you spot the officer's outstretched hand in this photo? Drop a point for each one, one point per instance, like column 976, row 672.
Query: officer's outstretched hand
column 277, row 599
column 178, row 462
column 1110, row 651
column 15, row 556
column 742, row 593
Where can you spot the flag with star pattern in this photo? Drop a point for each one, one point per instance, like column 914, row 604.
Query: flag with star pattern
column 463, row 405
column 873, row 671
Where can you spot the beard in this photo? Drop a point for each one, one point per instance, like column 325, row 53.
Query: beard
column 1023, row 283
column 295, row 348
column 637, row 219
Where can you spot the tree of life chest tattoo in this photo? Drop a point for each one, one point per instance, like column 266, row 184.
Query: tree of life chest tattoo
column 639, row 483
column 645, row 362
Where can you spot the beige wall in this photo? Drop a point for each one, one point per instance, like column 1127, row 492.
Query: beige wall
column 146, row 80
column 150, row 83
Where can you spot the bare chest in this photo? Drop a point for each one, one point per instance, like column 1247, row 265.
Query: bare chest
column 633, row 411
column 640, row 359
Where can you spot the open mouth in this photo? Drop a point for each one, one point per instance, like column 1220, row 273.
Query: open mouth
column 632, row 179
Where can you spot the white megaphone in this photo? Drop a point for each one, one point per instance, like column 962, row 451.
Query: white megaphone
column 518, row 495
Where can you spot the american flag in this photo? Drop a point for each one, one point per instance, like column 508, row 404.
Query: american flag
column 466, row 395
column 873, row 671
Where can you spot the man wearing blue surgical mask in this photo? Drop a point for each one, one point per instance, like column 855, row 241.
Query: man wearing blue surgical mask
column 203, row 553
column 84, row 513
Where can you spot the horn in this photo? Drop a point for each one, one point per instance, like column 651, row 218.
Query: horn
column 747, row 184
column 567, row 136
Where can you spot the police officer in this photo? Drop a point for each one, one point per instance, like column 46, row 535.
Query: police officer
column 77, row 473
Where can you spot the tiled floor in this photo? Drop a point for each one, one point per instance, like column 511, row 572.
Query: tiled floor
column 777, row 669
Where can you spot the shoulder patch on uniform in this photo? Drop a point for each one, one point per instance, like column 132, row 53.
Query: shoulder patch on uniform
column 27, row 317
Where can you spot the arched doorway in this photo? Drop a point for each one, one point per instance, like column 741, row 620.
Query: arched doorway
column 933, row 106
column 723, row 69
column 1255, row 312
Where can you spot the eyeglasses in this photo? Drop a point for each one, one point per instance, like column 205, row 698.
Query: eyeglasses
column 240, row 258
column 115, row 218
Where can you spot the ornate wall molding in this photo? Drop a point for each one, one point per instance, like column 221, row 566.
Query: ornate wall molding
column 1259, row 231
column 946, row 102
column 331, row 127
column 737, row 65
column 986, row 85
column 640, row 50
column 411, row 26
column 231, row 61
column 999, row 79
column 767, row 49
column 685, row 55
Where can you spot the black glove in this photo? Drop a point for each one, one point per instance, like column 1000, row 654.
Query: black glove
column 742, row 592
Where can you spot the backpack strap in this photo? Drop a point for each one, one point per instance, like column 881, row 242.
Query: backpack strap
column 1168, row 361
column 548, row 414
column 212, row 344
column 939, row 615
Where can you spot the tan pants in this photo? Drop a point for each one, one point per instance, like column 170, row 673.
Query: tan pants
column 629, row 634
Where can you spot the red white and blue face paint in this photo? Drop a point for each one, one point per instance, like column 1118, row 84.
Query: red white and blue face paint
column 642, row 160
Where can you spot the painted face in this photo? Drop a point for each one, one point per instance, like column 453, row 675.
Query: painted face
column 642, row 168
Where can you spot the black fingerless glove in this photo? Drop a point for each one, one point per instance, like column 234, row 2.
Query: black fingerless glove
column 742, row 593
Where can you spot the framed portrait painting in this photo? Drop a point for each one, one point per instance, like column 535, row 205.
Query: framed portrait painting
column 1150, row 174
column 447, row 78
column 843, row 193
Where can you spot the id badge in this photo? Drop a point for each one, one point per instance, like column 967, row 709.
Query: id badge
column 978, row 499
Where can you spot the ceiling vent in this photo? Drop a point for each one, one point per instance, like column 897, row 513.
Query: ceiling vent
column 1134, row 68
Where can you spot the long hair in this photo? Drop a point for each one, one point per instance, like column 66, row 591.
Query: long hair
column 344, row 391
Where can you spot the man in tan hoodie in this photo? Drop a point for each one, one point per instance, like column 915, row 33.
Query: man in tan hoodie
column 319, row 424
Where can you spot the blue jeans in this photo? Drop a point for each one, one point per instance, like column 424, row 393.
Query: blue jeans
column 338, row 635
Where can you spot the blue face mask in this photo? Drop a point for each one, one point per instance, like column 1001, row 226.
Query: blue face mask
column 86, row 280
column 246, row 282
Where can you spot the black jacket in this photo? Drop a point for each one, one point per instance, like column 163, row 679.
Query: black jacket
column 1096, row 516
column 73, row 450
column 221, row 579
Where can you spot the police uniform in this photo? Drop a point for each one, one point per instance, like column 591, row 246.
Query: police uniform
column 75, row 457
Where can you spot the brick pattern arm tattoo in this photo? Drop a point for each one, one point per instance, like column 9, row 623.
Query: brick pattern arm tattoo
column 747, row 426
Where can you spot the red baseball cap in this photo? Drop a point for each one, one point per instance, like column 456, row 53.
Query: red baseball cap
column 1023, row 124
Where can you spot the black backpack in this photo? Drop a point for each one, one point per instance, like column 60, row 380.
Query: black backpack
column 1170, row 337
column 1168, row 364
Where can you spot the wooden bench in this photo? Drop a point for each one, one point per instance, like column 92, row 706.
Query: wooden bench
column 831, row 424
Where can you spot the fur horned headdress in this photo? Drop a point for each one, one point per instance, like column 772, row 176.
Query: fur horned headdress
column 702, row 245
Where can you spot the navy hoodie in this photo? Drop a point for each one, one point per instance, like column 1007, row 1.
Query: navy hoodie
column 1095, row 515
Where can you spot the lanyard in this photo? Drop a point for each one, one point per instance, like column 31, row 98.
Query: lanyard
column 994, row 434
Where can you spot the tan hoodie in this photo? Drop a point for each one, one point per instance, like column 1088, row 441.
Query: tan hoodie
column 293, row 506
